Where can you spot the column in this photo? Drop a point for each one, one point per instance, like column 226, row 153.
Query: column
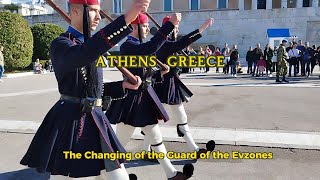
column 284, row 3
column 217, row 4
column 254, row 4
column 227, row 3
column 269, row 4
column 315, row 3
column 241, row 5
column 299, row 3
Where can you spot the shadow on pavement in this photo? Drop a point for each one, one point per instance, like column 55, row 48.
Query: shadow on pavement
column 32, row 174
column 140, row 163
column 24, row 174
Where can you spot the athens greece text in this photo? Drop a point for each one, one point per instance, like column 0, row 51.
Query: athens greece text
column 151, row 61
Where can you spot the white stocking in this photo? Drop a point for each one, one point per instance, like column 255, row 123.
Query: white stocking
column 155, row 137
column 181, row 116
column 146, row 144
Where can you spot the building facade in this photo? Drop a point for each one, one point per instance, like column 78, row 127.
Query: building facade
column 242, row 22
column 26, row 8
column 31, row 10
column 119, row 6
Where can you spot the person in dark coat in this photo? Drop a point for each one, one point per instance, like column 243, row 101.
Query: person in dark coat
column 234, row 59
column 142, row 108
column 268, row 55
column 249, row 59
column 171, row 90
column 76, row 123
column 257, row 53
column 307, row 58
column 313, row 58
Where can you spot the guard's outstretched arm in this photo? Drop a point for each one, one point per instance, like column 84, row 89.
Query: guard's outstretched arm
column 67, row 56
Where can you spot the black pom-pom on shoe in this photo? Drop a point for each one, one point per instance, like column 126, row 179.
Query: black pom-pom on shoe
column 133, row 177
column 188, row 170
column 186, row 174
column 211, row 145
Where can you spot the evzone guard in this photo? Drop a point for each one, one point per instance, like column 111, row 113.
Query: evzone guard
column 173, row 92
column 142, row 108
column 76, row 122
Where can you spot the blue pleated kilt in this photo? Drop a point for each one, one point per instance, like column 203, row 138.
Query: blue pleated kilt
column 65, row 128
column 138, row 109
column 172, row 91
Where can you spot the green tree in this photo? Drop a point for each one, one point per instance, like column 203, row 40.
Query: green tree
column 11, row 7
column 43, row 35
column 16, row 37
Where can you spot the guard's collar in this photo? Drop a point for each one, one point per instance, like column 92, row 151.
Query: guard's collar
column 133, row 39
column 75, row 33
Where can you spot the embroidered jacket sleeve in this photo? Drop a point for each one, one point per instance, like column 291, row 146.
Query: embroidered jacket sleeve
column 151, row 46
column 68, row 56
column 185, row 41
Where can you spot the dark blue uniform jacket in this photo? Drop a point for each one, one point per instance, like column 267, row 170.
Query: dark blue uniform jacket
column 141, row 107
column 65, row 127
column 172, row 90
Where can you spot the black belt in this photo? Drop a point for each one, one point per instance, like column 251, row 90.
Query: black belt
column 95, row 101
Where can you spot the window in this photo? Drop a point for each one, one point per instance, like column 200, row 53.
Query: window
column 208, row 4
column 292, row 3
column 233, row 4
column 306, row 3
column 168, row 5
column 194, row 4
column 262, row 4
column 117, row 6
column 276, row 4
column 247, row 4
column 222, row 4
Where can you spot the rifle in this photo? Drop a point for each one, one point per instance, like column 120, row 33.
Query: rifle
column 131, row 78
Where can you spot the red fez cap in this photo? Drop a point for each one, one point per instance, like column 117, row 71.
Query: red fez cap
column 167, row 18
column 141, row 19
column 88, row 2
